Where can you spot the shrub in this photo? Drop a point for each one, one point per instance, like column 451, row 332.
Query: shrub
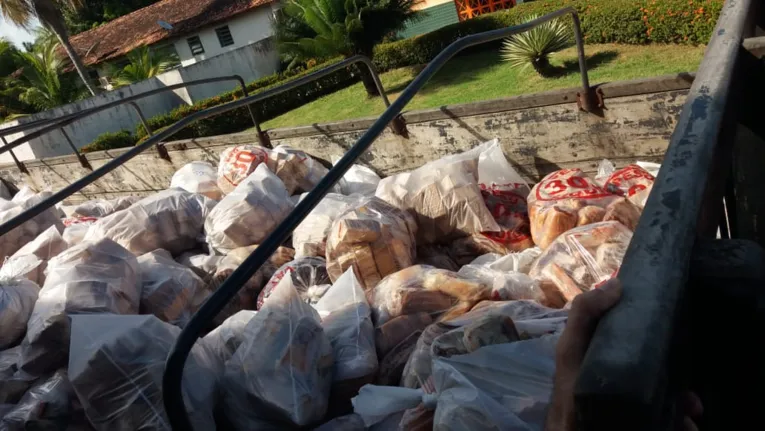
column 533, row 48
column 603, row 21
column 110, row 141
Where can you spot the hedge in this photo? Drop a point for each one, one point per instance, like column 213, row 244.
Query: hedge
column 603, row 21
column 111, row 140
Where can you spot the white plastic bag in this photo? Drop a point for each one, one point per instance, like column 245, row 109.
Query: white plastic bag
column 170, row 291
column 75, row 234
column 347, row 321
column 309, row 277
column 310, row 237
column 170, row 220
column 309, row 171
column 237, row 163
column 229, row 335
column 198, row 177
column 359, row 179
column 249, row 213
column 45, row 247
column 281, row 374
column 17, row 298
column 202, row 264
column 12, row 241
column 116, row 366
column 102, row 207
column 91, row 277
column 505, row 285
column 517, row 262
column 498, row 387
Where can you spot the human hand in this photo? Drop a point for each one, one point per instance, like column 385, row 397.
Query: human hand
column 586, row 310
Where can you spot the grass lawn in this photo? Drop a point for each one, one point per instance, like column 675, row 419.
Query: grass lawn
column 483, row 76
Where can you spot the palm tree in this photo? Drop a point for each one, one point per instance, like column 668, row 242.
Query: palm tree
column 144, row 64
column 10, row 85
column 323, row 28
column 42, row 72
column 21, row 12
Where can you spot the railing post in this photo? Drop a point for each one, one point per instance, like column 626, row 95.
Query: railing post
column 263, row 138
column 22, row 167
column 161, row 150
column 83, row 160
column 398, row 125
column 585, row 98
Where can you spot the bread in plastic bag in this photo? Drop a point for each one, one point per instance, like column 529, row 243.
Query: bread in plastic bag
column 426, row 289
column 516, row 262
column 18, row 295
column 99, row 208
column 116, row 366
column 498, row 387
column 304, row 169
column 198, row 177
column 505, row 285
column 280, row 376
column 91, row 277
column 169, row 290
column 438, row 256
column 347, row 322
column 247, row 297
column 564, row 200
column 12, row 241
column 633, row 182
column 504, row 192
column 531, row 319
column 310, row 237
column 393, row 332
column 580, row 259
column 171, row 220
column 359, row 179
column 14, row 383
column 249, row 213
column 75, row 233
column 237, row 163
column 204, row 265
column 45, row 247
column 293, row 167
column 374, row 238
column 393, row 363
column 229, row 335
column 309, row 276
column 49, row 404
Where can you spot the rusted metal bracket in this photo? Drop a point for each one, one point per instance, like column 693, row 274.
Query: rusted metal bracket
column 162, row 151
column 83, row 160
column 19, row 164
column 398, row 127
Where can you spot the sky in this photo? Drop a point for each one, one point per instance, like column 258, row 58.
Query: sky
column 15, row 34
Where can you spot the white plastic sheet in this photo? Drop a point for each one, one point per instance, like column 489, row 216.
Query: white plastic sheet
column 359, row 179
column 281, row 374
column 116, row 366
column 249, row 213
column 198, row 177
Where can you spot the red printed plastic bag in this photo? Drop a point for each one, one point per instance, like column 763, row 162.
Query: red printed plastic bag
column 568, row 198
column 237, row 163
column 632, row 182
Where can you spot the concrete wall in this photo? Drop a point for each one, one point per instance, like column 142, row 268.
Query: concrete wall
column 539, row 133
column 246, row 28
column 250, row 62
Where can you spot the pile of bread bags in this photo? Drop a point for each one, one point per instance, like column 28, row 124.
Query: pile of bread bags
column 429, row 297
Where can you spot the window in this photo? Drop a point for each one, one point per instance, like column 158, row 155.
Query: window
column 224, row 36
column 195, row 45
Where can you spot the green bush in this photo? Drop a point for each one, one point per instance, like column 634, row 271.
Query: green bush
column 603, row 21
column 110, row 141
column 239, row 119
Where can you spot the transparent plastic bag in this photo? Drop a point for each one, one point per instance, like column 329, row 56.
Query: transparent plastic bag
column 307, row 171
column 504, row 192
column 171, row 220
column 14, row 383
column 505, row 285
column 101, row 207
column 12, row 241
column 237, row 163
column 116, row 366
column 426, row 289
column 17, row 298
column 352, row 422
column 198, row 177
column 580, row 259
column 49, row 404
column 393, row 332
column 393, row 190
column 280, row 376
column 438, row 256
column 75, row 233
column 45, row 247
column 91, row 277
column 498, row 387
column 632, row 182
column 229, row 335
column 309, row 277
column 516, row 262
column 531, row 319
column 170, row 291
column 347, row 322
column 204, row 265
column 374, row 238
column 249, row 213
column 566, row 199
column 310, row 237
column 359, row 179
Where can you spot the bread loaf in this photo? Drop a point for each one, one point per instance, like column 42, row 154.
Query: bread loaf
column 374, row 238
column 580, row 259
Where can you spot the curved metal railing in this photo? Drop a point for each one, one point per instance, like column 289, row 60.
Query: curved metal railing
column 172, row 394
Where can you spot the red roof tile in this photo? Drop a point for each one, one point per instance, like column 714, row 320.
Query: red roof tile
column 118, row 37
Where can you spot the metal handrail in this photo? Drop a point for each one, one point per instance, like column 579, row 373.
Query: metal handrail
column 175, row 128
column 171, row 384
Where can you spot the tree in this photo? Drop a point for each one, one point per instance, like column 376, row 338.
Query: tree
column 309, row 29
column 534, row 47
column 96, row 12
column 144, row 63
column 20, row 12
column 10, row 86
column 42, row 74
